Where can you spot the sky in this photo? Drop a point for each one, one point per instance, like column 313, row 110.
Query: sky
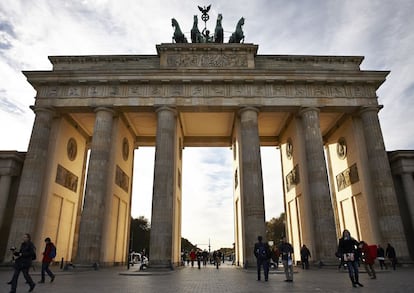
column 381, row 31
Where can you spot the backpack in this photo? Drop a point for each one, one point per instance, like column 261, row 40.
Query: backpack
column 261, row 251
column 52, row 253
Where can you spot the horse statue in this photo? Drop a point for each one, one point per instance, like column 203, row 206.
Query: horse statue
column 218, row 32
column 196, row 36
column 178, row 35
column 238, row 35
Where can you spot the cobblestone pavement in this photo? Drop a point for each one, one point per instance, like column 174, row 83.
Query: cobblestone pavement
column 209, row 279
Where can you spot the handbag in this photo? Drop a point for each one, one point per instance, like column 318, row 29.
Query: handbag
column 349, row 256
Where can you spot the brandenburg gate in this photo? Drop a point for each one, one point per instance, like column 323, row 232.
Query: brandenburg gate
column 91, row 112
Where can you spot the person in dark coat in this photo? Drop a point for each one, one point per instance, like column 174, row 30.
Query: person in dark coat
column 46, row 260
column 23, row 262
column 381, row 257
column 304, row 257
column 392, row 256
column 262, row 253
column 286, row 251
column 348, row 251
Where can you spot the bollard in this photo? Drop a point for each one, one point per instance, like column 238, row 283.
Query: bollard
column 61, row 263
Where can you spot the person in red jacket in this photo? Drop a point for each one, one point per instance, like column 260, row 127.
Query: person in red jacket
column 368, row 258
column 48, row 255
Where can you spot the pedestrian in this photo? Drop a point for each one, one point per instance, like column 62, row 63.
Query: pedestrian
column 381, row 257
column 392, row 256
column 304, row 257
column 262, row 253
column 368, row 258
column 286, row 250
column 275, row 256
column 348, row 250
column 48, row 255
column 23, row 262
column 193, row 257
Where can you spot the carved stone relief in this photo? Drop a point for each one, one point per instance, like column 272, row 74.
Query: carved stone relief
column 72, row 149
column 206, row 89
column 347, row 177
column 66, row 178
column 210, row 60
column 121, row 179
column 292, row 178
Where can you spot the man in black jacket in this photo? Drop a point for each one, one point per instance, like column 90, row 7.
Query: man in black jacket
column 23, row 262
column 262, row 253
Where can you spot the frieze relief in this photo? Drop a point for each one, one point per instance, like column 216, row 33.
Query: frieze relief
column 217, row 90
column 205, row 61
column 347, row 177
column 137, row 90
column 210, row 89
column 95, row 91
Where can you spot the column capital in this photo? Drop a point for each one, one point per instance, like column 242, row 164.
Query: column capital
column 248, row 108
column 37, row 109
column 107, row 109
column 369, row 108
column 165, row 108
column 307, row 109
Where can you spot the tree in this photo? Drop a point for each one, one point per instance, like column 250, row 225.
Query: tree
column 275, row 228
column 140, row 234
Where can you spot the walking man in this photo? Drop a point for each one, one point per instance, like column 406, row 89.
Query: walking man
column 286, row 250
column 23, row 262
column 262, row 253
column 304, row 257
column 48, row 255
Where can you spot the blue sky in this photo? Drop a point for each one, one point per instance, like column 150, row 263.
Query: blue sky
column 382, row 31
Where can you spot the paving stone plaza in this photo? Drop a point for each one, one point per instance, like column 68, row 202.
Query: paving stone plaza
column 226, row 279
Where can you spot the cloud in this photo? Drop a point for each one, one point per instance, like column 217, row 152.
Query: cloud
column 382, row 31
column 8, row 106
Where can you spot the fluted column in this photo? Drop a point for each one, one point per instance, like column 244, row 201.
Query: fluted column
column 389, row 219
column 32, row 178
column 408, row 183
column 91, row 225
column 5, row 183
column 161, row 241
column 324, row 238
column 252, row 182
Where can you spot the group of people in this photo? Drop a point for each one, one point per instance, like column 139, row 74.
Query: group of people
column 264, row 254
column 23, row 258
column 350, row 251
column 202, row 257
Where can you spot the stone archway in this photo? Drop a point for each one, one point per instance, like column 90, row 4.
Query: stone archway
column 320, row 110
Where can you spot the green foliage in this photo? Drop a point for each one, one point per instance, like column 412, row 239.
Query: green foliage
column 275, row 228
column 140, row 234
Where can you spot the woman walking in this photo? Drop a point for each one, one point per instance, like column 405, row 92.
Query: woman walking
column 348, row 251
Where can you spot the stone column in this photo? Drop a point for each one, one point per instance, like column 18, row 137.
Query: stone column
column 323, row 222
column 161, row 241
column 251, row 183
column 32, row 178
column 5, row 183
column 389, row 219
column 91, row 224
column 408, row 183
